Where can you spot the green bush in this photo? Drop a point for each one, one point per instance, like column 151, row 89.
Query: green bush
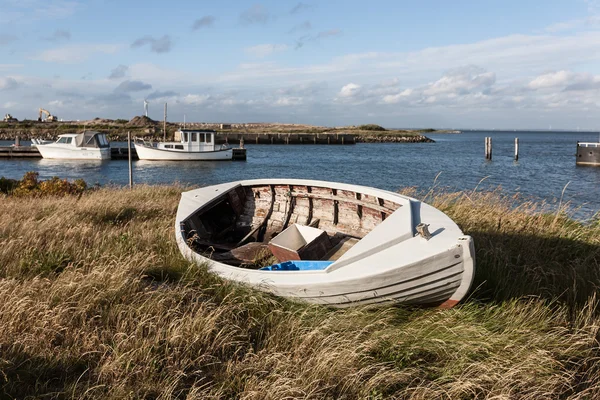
column 371, row 127
column 31, row 186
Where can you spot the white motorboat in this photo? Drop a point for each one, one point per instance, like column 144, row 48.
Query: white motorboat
column 190, row 145
column 88, row 145
column 327, row 243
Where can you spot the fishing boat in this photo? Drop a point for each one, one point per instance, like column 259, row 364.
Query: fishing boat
column 189, row 145
column 327, row 243
column 88, row 145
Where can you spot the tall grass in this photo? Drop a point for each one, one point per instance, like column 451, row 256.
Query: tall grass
column 97, row 302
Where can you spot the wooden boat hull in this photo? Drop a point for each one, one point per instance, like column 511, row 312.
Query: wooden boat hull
column 389, row 263
column 154, row 154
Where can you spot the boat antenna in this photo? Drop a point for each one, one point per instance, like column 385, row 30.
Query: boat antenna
column 183, row 121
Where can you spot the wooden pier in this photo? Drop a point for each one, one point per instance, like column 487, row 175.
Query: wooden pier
column 285, row 138
column 116, row 153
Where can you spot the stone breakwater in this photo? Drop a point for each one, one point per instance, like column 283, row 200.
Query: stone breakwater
column 46, row 132
column 393, row 139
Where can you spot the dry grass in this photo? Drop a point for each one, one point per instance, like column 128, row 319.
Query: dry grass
column 96, row 302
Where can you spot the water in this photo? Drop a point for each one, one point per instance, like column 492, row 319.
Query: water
column 546, row 166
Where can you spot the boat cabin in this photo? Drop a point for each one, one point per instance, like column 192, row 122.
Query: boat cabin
column 190, row 141
column 87, row 139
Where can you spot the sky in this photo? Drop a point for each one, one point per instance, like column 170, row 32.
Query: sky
column 526, row 64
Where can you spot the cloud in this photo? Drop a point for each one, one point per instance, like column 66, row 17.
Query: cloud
column 112, row 99
column 263, row 50
column 396, row 98
column 350, row 90
column 8, row 83
column 75, row 53
column 329, row 33
column 59, row 35
column 591, row 84
column 565, row 80
column 7, row 39
column 288, row 101
column 552, row 80
column 33, row 10
column 204, row 22
column 304, row 26
column 300, row 42
column 160, row 45
column 195, row 99
column 118, row 72
column 257, row 14
column 300, row 7
column 462, row 81
column 161, row 95
column 132, row 86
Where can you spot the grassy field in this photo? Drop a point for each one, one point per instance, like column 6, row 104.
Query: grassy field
column 97, row 302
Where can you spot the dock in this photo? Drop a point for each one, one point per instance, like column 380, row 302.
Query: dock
column 588, row 153
column 116, row 153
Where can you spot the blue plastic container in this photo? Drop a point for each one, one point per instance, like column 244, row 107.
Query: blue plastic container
column 298, row 265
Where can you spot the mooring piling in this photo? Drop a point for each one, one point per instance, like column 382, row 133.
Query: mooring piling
column 517, row 149
column 129, row 160
column 488, row 148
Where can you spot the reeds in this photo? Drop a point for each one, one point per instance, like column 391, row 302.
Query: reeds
column 97, row 302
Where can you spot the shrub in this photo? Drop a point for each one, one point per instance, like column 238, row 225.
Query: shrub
column 31, row 186
column 371, row 127
column 7, row 185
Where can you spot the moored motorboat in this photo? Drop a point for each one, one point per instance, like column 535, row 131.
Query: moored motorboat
column 190, row 145
column 88, row 145
column 327, row 243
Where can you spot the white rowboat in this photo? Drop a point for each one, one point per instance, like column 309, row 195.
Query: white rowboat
column 356, row 245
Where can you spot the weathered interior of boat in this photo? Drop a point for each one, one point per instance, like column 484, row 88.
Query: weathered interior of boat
column 236, row 227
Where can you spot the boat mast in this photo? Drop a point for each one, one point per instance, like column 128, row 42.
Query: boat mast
column 165, row 125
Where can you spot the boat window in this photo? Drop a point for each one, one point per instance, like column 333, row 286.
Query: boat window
column 179, row 147
column 185, row 136
column 208, row 138
column 202, row 137
column 194, row 136
column 168, row 146
column 69, row 140
column 62, row 140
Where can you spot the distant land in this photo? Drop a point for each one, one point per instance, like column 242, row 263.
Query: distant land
column 141, row 126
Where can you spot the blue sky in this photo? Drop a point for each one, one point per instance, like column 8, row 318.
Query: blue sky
column 479, row 64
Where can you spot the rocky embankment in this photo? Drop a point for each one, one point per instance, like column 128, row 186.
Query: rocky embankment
column 361, row 138
column 150, row 129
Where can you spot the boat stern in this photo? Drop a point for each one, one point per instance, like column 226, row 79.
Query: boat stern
column 468, row 256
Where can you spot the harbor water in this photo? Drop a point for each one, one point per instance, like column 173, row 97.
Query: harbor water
column 545, row 168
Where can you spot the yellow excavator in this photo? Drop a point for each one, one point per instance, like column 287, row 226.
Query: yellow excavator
column 9, row 118
column 45, row 116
